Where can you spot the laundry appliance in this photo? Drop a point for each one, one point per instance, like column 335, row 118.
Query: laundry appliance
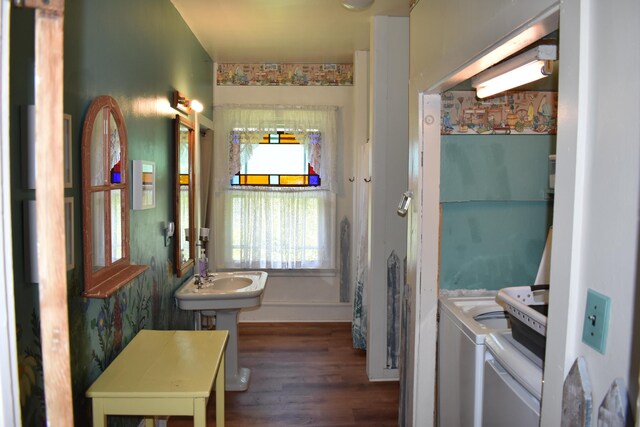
column 514, row 360
column 512, row 383
column 464, row 323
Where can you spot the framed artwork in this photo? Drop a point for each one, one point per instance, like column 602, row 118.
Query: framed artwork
column 143, row 182
column 68, row 231
column 31, row 242
column 68, row 174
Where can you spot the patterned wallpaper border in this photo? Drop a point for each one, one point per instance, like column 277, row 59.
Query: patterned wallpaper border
column 515, row 113
column 285, row 75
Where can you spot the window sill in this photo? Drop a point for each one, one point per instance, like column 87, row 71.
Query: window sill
column 113, row 283
column 300, row 272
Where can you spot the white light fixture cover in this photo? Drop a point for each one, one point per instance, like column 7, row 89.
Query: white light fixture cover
column 196, row 106
column 356, row 4
column 527, row 67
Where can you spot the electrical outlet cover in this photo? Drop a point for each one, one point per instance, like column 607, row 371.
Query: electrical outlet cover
column 596, row 320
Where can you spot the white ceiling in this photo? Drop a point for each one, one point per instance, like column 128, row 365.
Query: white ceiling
column 272, row 31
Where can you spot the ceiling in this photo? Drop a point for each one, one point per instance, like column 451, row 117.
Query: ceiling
column 282, row 31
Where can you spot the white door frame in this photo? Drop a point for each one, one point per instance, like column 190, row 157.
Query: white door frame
column 429, row 254
column 9, row 389
column 427, row 288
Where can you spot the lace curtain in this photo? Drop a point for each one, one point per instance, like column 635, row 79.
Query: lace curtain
column 251, row 122
column 274, row 227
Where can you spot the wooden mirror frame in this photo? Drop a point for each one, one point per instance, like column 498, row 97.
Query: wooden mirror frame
column 113, row 274
column 180, row 265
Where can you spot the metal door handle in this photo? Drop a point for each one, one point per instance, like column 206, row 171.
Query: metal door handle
column 403, row 207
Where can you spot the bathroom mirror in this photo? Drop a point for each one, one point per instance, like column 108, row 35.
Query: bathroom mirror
column 105, row 196
column 185, row 231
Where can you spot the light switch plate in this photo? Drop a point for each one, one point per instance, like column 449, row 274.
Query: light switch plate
column 596, row 320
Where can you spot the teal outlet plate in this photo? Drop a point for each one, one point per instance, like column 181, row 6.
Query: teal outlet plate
column 596, row 320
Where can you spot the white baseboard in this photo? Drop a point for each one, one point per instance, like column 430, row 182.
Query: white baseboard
column 387, row 375
column 299, row 312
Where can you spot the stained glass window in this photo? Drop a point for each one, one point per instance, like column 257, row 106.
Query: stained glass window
column 280, row 160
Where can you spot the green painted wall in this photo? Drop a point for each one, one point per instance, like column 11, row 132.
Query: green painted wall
column 495, row 209
column 138, row 52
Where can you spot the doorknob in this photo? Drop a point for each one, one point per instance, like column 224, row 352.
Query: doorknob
column 403, row 207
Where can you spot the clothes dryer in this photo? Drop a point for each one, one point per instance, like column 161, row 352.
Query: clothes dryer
column 465, row 321
column 512, row 383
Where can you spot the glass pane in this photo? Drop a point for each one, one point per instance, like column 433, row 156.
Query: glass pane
column 255, row 180
column 114, row 151
column 97, row 231
column 184, row 223
column 97, row 149
column 183, row 153
column 293, row 180
column 274, row 159
column 116, row 225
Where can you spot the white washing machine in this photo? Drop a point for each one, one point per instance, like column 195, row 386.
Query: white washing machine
column 465, row 321
column 512, row 383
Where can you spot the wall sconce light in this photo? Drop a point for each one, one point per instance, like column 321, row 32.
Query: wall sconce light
column 527, row 67
column 184, row 104
column 168, row 233
column 204, row 234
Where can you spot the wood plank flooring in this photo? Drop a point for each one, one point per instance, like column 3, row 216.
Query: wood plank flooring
column 304, row 374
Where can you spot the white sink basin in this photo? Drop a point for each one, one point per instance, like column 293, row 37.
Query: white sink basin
column 229, row 283
column 219, row 291
column 223, row 295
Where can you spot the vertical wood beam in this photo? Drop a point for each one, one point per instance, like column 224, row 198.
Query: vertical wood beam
column 50, row 214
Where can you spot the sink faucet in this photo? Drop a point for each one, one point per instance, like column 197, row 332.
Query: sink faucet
column 198, row 281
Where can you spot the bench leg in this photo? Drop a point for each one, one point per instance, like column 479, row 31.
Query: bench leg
column 99, row 417
column 220, row 394
column 199, row 412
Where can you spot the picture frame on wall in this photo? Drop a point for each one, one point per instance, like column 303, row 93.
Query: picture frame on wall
column 68, row 232
column 68, row 172
column 143, row 183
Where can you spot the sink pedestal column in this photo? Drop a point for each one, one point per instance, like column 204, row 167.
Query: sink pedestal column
column 236, row 379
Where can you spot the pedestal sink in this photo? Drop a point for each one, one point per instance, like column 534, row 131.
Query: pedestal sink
column 223, row 295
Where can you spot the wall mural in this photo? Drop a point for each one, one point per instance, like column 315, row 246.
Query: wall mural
column 393, row 310
column 345, row 259
column 99, row 330
column 514, row 113
column 405, row 345
column 30, row 375
column 285, row 75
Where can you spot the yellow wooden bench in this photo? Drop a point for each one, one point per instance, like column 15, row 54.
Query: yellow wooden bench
column 163, row 373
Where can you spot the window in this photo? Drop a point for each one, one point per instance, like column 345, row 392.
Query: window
column 277, row 205
column 278, row 161
column 105, row 195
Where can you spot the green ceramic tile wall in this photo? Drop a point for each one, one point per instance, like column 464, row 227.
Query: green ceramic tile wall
column 495, row 167
column 138, row 52
column 495, row 209
column 492, row 245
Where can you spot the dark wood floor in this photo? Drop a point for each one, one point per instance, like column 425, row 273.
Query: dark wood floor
column 304, row 374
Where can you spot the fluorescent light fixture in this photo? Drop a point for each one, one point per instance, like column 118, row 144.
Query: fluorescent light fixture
column 527, row 67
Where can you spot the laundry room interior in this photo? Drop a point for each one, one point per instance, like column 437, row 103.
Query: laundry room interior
column 497, row 167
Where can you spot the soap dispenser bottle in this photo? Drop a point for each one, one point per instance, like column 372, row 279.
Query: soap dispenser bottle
column 203, row 264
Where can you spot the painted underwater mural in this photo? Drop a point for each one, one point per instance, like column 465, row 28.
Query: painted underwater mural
column 100, row 328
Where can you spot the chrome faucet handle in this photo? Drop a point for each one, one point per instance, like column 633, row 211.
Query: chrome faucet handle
column 198, row 281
